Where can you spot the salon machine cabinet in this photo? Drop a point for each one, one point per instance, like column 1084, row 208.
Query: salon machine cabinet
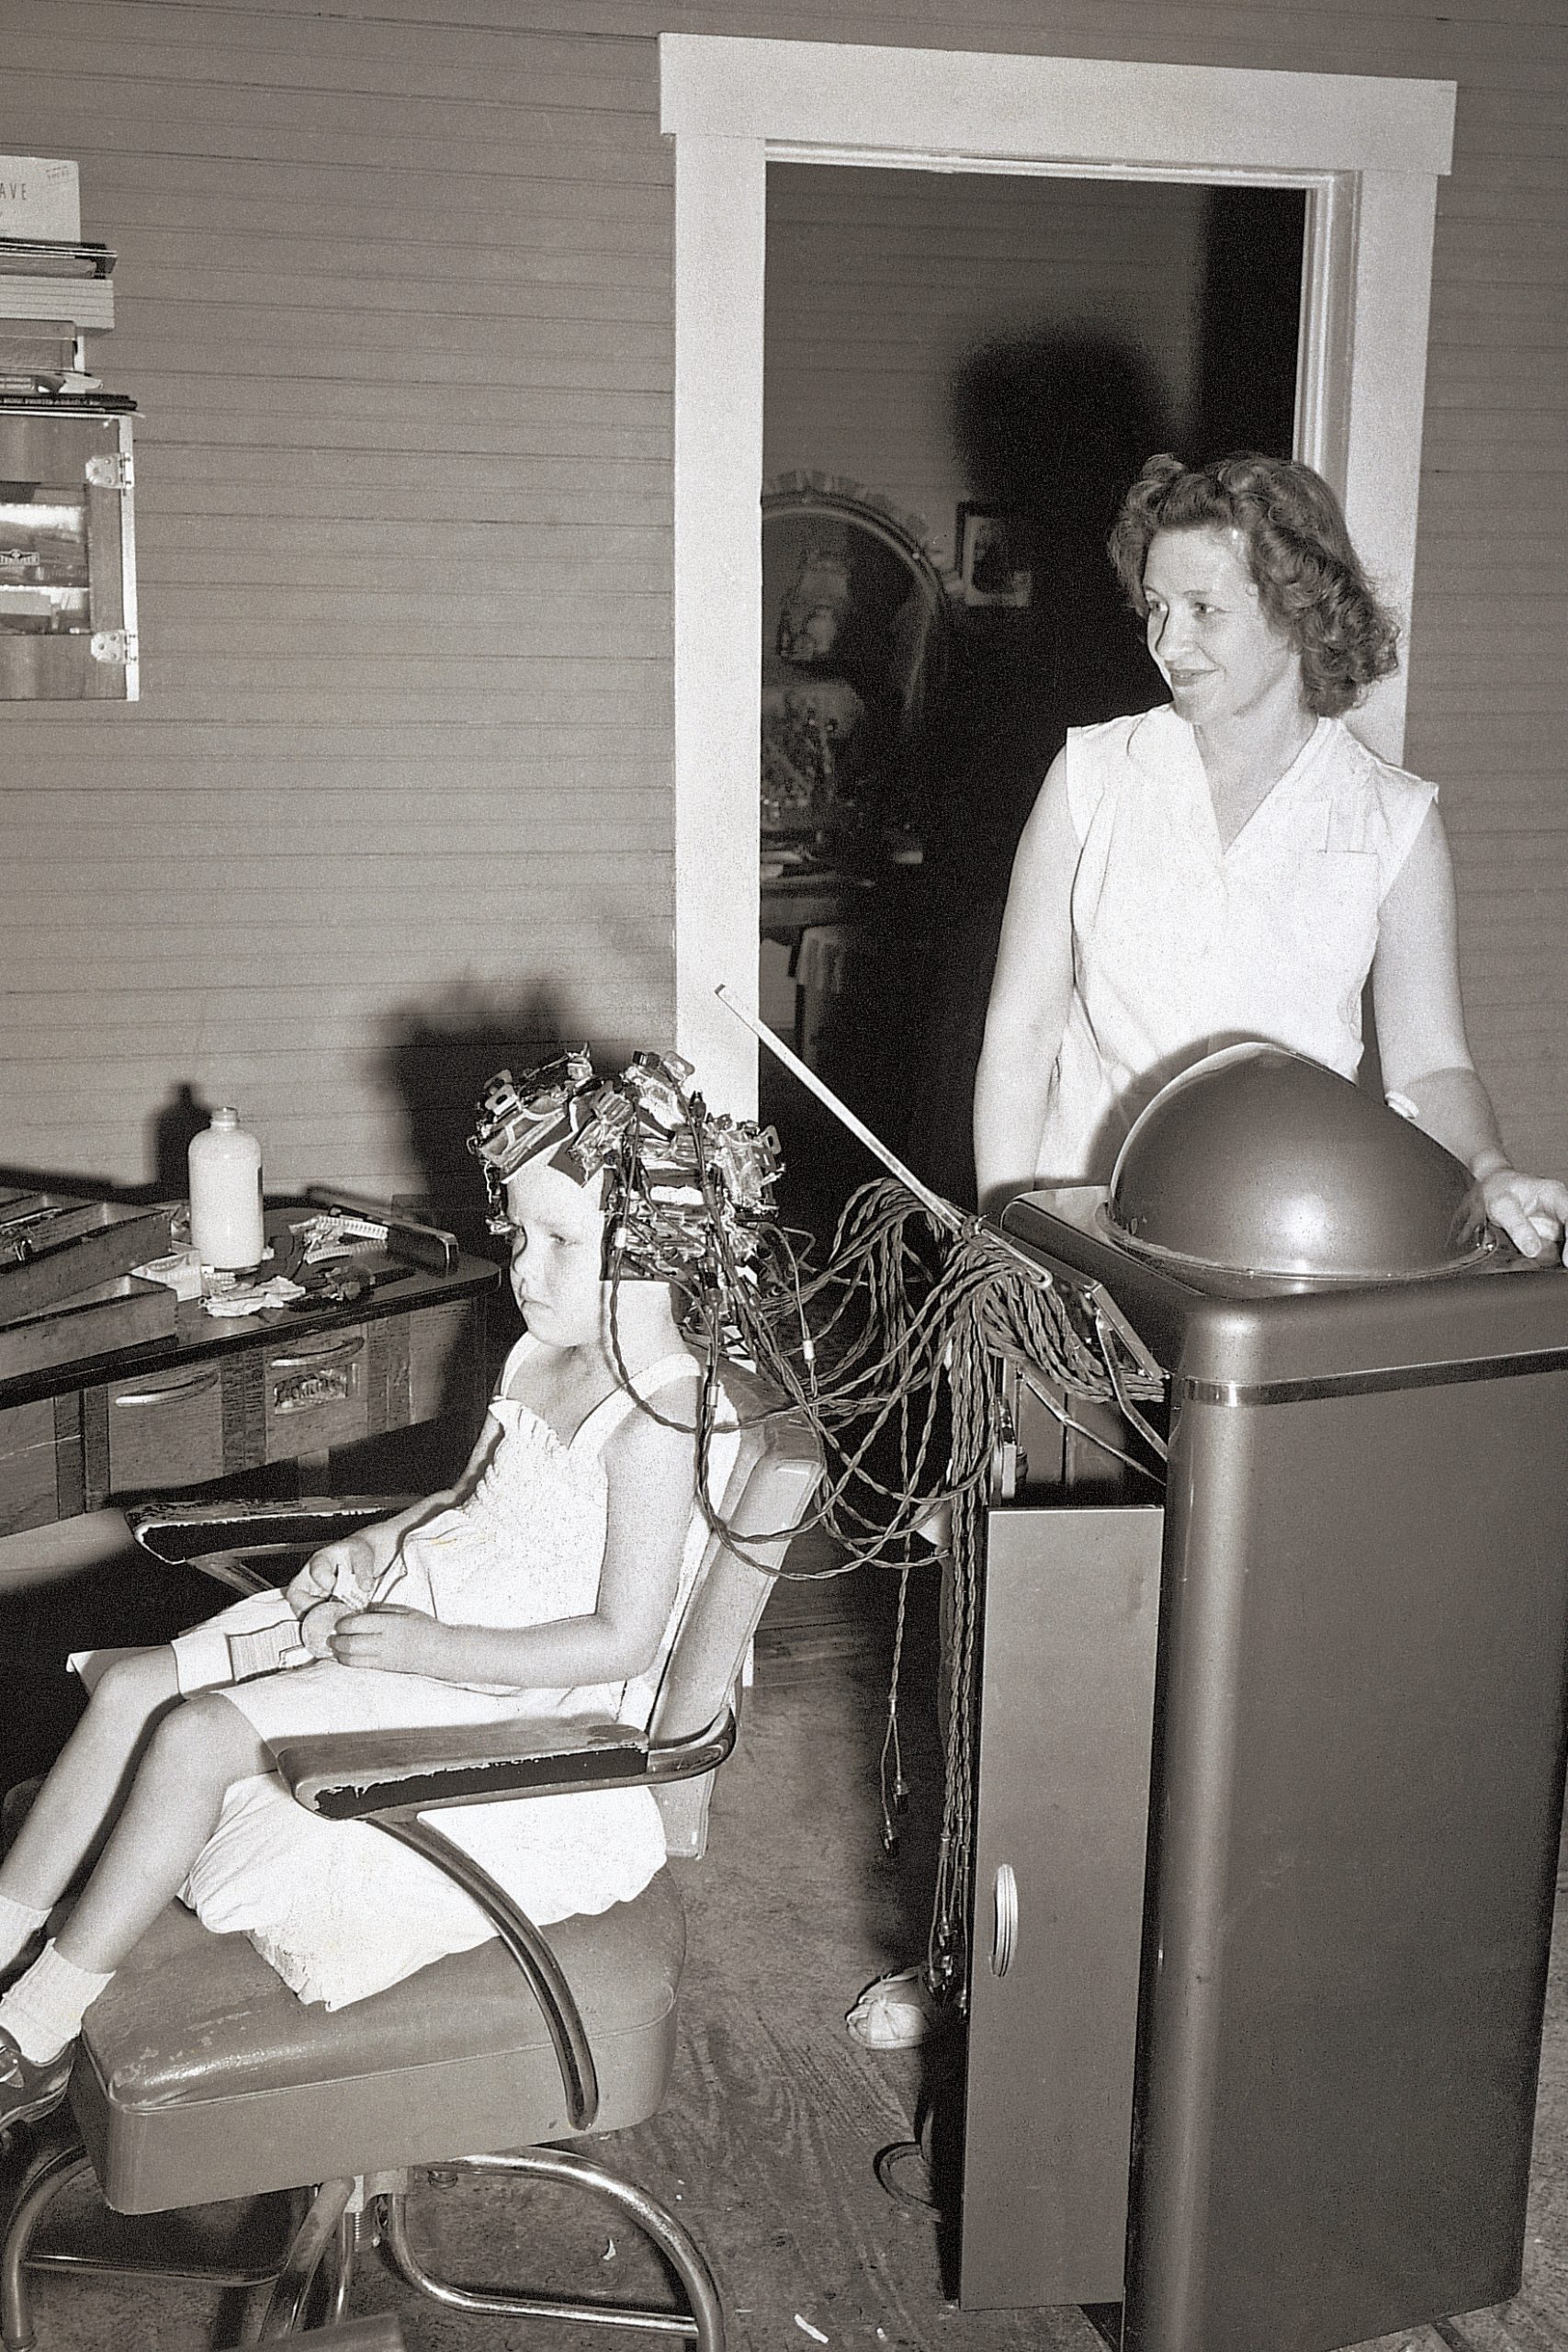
column 1327, row 1765
column 1066, row 1677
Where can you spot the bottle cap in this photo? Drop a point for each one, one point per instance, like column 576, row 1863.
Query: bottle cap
column 225, row 1116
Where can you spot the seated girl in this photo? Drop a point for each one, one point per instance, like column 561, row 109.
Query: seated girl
column 548, row 1581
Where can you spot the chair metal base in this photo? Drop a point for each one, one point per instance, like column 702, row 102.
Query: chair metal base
column 704, row 2322
column 332, row 2227
column 328, row 2226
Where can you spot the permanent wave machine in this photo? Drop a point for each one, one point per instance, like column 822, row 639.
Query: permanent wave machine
column 1270, row 1741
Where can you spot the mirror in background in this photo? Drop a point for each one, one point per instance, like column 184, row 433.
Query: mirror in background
column 853, row 622
column 855, row 640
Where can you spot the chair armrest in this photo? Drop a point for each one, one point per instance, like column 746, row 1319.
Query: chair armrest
column 180, row 1532
column 356, row 1775
column 392, row 1778
column 348, row 1776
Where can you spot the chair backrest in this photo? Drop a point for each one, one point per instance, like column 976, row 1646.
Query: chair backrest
column 776, row 1470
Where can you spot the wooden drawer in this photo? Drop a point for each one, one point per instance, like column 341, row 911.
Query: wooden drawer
column 166, row 1429
column 315, row 1393
column 28, row 1477
column 445, row 1374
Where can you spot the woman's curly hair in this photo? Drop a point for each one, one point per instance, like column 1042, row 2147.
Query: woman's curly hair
column 1298, row 552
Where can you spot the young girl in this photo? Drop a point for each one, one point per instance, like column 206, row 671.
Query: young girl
column 557, row 1566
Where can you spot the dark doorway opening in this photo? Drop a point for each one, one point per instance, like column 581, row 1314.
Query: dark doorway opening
column 989, row 358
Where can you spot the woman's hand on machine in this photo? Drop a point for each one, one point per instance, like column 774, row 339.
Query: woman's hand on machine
column 1531, row 1210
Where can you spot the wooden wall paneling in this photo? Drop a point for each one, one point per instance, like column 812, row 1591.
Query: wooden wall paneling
column 400, row 335
column 278, row 47
column 216, row 824
column 394, row 295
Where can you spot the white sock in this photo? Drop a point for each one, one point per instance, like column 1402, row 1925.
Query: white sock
column 18, row 1922
column 43, row 2010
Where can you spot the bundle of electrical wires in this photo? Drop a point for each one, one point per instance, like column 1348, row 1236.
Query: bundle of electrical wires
column 897, row 1353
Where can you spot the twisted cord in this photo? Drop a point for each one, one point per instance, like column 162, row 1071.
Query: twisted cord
column 897, row 1353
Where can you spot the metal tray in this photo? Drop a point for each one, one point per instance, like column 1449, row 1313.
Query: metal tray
column 120, row 1314
column 55, row 1247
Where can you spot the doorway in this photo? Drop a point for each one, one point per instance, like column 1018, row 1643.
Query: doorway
column 964, row 370
column 1367, row 150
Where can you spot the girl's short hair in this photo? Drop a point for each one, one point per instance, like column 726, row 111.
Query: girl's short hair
column 1298, row 550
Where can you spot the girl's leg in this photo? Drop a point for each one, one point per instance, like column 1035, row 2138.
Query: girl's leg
column 71, row 1811
column 195, row 1753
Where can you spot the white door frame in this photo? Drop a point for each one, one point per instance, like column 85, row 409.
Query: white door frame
column 1370, row 153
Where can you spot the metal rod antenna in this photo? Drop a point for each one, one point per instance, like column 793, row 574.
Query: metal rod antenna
column 944, row 1211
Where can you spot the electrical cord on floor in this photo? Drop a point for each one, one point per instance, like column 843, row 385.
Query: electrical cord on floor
column 886, row 2162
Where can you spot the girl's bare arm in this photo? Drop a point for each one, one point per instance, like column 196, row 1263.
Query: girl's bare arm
column 356, row 1561
column 649, row 1473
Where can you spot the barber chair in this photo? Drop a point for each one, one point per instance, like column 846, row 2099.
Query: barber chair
column 201, row 2077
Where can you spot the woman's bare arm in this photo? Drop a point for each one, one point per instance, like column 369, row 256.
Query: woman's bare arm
column 1029, row 996
column 1426, row 1054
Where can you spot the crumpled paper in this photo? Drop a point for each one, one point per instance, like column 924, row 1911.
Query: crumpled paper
column 254, row 1298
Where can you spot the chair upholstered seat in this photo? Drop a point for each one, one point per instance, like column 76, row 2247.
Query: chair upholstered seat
column 201, row 2077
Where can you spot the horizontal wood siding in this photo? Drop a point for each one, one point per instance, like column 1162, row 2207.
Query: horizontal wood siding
column 394, row 294
column 394, row 301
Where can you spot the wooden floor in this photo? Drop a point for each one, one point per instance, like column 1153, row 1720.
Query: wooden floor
column 767, row 2141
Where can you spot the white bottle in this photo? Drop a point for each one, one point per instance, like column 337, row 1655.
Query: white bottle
column 226, row 1194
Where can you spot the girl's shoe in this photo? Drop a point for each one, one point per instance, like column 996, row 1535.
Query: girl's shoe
column 893, row 2012
column 30, row 2088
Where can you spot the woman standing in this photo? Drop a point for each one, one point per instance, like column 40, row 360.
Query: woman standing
column 1234, row 863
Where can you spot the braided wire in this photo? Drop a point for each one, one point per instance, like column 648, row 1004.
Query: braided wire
column 897, row 1353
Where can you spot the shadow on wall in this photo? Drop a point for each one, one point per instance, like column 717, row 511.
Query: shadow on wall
column 1050, row 431
column 169, row 1131
column 1250, row 320
column 437, row 1059
column 432, row 1060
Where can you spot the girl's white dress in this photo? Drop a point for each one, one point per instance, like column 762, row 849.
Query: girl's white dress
column 1182, row 944
column 336, row 1908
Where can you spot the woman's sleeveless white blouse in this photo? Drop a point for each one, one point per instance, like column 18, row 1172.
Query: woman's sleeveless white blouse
column 1181, row 945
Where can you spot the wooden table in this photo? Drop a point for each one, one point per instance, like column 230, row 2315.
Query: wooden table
column 222, row 1396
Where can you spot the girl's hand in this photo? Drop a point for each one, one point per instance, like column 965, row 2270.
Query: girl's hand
column 393, row 1640
column 319, row 1622
column 347, row 1568
column 1531, row 1210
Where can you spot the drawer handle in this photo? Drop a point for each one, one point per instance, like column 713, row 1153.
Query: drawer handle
column 174, row 1391
column 333, row 1387
column 1004, row 1926
column 349, row 1347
